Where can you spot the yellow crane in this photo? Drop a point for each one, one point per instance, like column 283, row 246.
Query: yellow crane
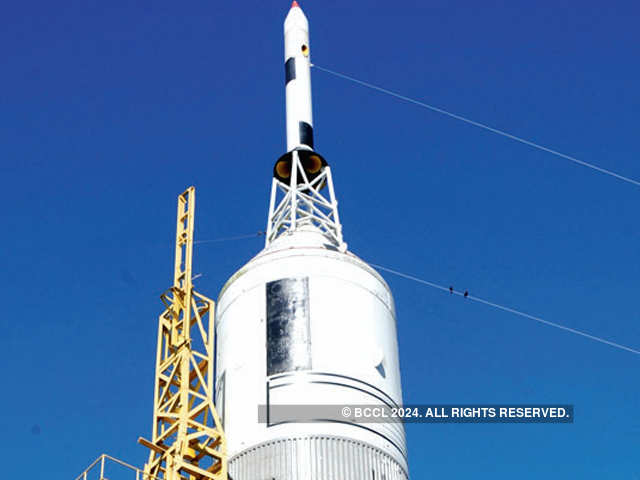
column 187, row 442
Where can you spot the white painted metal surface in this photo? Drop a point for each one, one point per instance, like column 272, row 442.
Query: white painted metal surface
column 352, row 331
column 325, row 458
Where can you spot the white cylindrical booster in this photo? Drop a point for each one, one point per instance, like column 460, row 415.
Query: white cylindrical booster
column 304, row 324
column 298, row 80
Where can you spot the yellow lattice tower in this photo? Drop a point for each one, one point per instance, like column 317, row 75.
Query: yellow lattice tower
column 188, row 442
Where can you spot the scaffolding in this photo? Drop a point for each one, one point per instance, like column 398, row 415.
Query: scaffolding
column 187, row 442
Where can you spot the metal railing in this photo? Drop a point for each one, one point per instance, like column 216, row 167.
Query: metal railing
column 106, row 467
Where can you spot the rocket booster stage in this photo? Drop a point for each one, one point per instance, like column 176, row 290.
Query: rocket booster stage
column 297, row 68
column 298, row 79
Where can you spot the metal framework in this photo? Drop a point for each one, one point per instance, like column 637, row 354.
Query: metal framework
column 300, row 203
column 106, row 467
column 188, row 442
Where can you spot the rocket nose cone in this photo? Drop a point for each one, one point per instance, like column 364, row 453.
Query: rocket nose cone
column 295, row 17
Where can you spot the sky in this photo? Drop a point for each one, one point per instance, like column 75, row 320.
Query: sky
column 109, row 110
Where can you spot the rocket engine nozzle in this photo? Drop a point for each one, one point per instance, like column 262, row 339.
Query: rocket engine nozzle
column 312, row 163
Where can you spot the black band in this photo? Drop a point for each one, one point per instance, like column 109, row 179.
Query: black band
column 306, row 133
column 289, row 70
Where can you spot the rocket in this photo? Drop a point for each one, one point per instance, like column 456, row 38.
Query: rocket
column 306, row 322
column 299, row 115
column 297, row 67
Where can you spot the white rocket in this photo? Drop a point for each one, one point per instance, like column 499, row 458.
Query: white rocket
column 297, row 68
column 308, row 324
column 297, row 64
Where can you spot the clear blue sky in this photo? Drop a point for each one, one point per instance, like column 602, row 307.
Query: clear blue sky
column 108, row 110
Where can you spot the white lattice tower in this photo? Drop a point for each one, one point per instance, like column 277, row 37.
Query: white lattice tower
column 300, row 203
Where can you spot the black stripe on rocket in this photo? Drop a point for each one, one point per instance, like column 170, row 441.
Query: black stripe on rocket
column 289, row 70
column 306, row 133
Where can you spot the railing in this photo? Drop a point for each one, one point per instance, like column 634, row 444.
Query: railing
column 106, row 467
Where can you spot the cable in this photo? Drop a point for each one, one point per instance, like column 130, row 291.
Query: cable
column 507, row 309
column 480, row 125
column 226, row 239
column 465, row 295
